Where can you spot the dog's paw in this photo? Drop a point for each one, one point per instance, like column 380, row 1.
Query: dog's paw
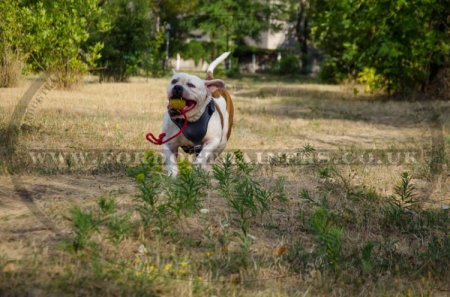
column 172, row 171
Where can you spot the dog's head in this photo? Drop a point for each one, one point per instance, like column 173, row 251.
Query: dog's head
column 194, row 90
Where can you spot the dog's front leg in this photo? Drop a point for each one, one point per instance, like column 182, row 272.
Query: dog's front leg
column 207, row 155
column 170, row 159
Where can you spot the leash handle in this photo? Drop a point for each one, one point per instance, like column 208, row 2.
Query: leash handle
column 160, row 140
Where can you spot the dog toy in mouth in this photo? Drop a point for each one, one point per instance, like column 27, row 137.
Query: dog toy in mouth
column 177, row 104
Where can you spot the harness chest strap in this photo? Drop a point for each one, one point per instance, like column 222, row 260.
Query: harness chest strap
column 196, row 131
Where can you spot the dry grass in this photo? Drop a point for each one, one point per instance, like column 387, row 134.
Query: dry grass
column 269, row 115
column 11, row 66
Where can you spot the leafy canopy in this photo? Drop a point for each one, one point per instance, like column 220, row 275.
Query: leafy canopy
column 405, row 42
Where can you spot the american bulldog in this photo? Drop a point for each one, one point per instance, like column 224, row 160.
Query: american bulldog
column 209, row 110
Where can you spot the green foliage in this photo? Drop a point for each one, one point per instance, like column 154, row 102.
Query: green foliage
column 326, row 171
column 437, row 254
column 309, row 198
column 327, row 237
column 196, row 50
column 153, row 56
column 15, row 40
column 245, row 196
column 405, row 193
column 84, row 225
column 233, row 71
column 119, row 227
column 187, row 191
column 370, row 79
column 121, row 38
column 149, row 179
column 288, row 65
column 164, row 199
column 404, row 43
column 60, row 32
column 399, row 211
column 107, row 205
column 51, row 36
column 367, row 261
column 132, row 42
column 236, row 20
column 330, row 71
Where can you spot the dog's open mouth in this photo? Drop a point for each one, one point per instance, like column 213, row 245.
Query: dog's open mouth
column 176, row 104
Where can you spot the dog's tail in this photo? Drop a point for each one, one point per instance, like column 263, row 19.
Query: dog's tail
column 213, row 65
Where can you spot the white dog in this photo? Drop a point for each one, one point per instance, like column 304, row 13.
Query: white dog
column 209, row 110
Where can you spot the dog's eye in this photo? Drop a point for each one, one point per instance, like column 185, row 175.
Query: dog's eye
column 174, row 81
column 190, row 85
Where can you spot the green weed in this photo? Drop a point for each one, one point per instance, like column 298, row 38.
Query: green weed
column 163, row 199
column 83, row 225
column 245, row 196
column 327, row 237
column 400, row 210
column 405, row 193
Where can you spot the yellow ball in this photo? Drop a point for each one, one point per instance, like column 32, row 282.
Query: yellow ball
column 177, row 103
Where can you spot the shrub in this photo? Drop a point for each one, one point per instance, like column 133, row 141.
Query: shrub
column 132, row 42
column 370, row 79
column 288, row 65
column 196, row 50
column 407, row 47
column 330, row 72
column 60, row 32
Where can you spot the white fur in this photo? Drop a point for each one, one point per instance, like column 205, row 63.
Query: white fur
column 198, row 90
column 217, row 61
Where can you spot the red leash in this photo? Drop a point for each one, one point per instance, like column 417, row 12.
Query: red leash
column 158, row 141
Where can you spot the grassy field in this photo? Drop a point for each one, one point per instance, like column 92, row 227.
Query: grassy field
column 279, row 229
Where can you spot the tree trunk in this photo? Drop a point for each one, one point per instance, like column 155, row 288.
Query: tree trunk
column 302, row 34
column 439, row 82
column 4, row 64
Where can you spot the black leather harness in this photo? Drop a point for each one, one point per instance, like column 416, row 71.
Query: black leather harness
column 196, row 131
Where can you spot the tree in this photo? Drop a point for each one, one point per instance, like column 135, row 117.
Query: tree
column 297, row 13
column 403, row 44
column 196, row 51
column 302, row 33
column 15, row 40
column 133, row 41
column 56, row 34
column 228, row 22
column 60, row 30
column 50, row 36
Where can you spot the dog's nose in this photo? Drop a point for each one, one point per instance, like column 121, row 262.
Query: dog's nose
column 177, row 91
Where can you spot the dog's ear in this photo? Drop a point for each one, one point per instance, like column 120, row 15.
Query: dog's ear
column 214, row 84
